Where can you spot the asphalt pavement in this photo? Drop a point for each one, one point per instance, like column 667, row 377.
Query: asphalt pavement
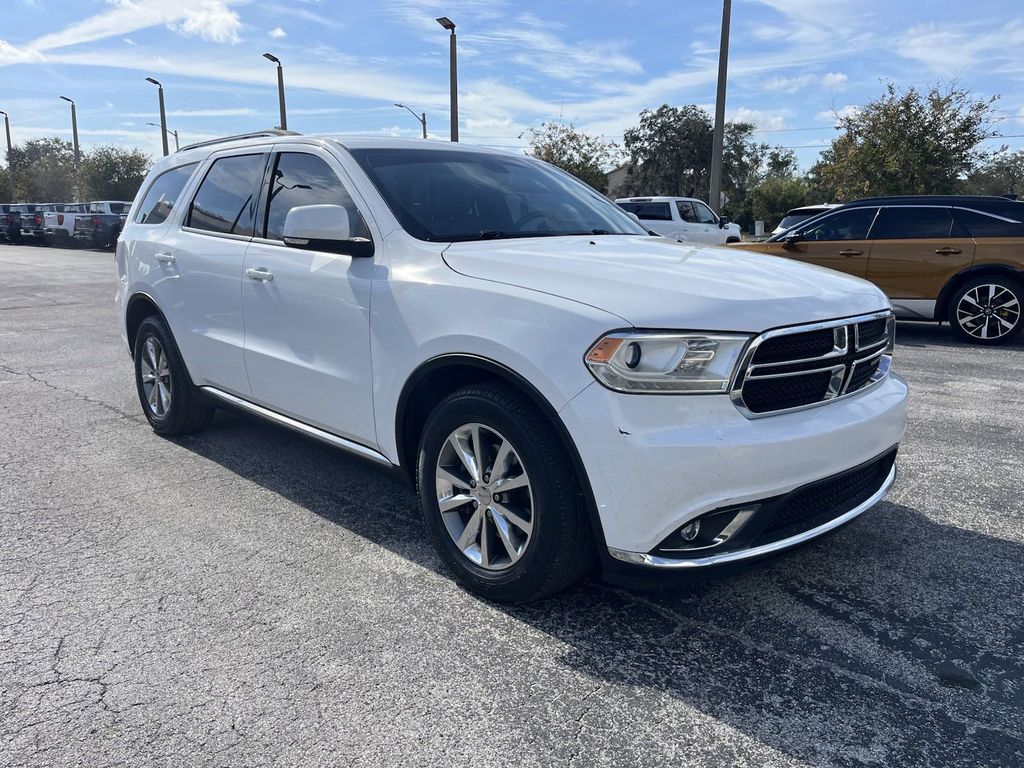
column 248, row 597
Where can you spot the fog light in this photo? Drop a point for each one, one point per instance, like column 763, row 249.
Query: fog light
column 690, row 530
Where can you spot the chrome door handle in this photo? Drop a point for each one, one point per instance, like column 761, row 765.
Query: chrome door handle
column 259, row 274
column 851, row 252
column 164, row 258
column 947, row 251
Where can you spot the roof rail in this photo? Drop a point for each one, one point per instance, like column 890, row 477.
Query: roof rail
column 254, row 135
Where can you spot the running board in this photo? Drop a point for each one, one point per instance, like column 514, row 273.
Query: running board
column 301, row 427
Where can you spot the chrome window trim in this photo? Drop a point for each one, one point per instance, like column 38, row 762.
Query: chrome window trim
column 671, row 563
column 836, row 390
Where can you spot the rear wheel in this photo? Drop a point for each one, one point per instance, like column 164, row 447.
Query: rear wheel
column 987, row 310
column 172, row 404
column 500, row 498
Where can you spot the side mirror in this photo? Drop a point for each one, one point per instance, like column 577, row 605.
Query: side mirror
column 723, row 222
column 792, row 239
column 633, row 216
column 324, row 228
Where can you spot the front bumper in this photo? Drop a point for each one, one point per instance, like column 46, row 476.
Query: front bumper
column 657, row 462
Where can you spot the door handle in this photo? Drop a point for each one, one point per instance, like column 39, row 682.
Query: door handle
column 851, row 252
column 164, row 258
column 259, row 274
column 947, row 251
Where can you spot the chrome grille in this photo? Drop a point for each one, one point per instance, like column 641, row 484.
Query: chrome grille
column 803, row 366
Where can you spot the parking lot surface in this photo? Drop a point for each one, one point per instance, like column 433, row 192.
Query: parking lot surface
column 247, row 597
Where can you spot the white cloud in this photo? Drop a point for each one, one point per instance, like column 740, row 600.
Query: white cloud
column 277, row 33
column 951, row 51
column 765, row 121
column 129, row 41
column 789, row 84
column 11, row 55
column 213, row 21
column 835, row 115
column 239, row 112
column 834, row 80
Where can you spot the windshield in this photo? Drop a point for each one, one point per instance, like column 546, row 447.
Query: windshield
column 443, row 195
column 795, row 218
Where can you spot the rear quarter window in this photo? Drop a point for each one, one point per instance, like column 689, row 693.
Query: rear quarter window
column 156, row 206
column 978, row 224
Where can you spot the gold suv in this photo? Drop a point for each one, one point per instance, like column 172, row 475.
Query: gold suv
column 947, row 258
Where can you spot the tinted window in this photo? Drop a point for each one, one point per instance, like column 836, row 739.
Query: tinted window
column 648, row 211
column 851, row 224
column 975, row 224
column 912, row 221
column 302, row 179
column 704, row 214
column 226, row 200
column 792, row 219
column 686, row 210
column 163, row 192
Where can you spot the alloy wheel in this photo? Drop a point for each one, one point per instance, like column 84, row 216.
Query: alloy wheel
column 485, row 497
column 156, row 377
column 988, row 311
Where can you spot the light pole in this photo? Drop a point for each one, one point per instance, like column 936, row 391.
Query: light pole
column 422, row 117
column 719, row 137
column 74, row 128
column 448, row 24
column 163, row 114
column 280, row 88
column 166, row 131
column 10, row 169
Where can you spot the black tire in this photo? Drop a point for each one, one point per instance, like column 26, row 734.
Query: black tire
column 987, row 326
column 560, row 549
column 184, row 409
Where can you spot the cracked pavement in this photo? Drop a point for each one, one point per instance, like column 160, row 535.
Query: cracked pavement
column 248, row 597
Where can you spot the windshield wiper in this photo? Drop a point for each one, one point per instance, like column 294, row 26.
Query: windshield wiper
column 493, row 234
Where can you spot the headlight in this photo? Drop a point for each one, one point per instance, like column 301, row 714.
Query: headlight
column 677, row 363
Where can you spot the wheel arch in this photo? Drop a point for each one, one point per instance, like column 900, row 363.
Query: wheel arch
column 961, row 278
column 439, row 376
column 140, row 306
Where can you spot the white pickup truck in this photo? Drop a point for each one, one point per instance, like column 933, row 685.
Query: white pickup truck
column 685, row 219
column 59, row 225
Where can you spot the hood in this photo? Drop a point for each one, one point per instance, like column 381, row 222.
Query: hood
column 655, row 283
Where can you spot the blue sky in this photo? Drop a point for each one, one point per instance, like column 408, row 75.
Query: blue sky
column 594, row 63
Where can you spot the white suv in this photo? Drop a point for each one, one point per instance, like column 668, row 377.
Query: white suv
column 685, row 219
column 565, row 390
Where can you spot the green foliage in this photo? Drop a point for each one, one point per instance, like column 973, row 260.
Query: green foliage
column 5, row 186
column 905, row 143
column 114, row 173
column 584, row 156
column 1001, row 175
column 44, row 171
column 774, row 196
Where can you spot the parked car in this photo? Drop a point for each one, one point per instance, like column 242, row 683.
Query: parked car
column 799, row 215
column 681, row 218
column 563, row 388
column 103, row 224
column 59, row 226
column 33, row 226
column 958, row 259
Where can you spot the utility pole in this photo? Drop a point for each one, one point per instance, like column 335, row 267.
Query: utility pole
column 280, row 88
column 453, row 77
column 10, row 168
column 74, row 129
column 163, row 113
column 715, row 200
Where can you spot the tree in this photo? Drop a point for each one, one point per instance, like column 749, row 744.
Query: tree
column 44, row 170
column 5, row 186
column 774, row 196
column 114, row 173
column 905, row 143
column 584, row 156
column 1002, row 175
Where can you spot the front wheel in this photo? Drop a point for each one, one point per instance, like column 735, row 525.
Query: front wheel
column 987, row 310
column 500, row 498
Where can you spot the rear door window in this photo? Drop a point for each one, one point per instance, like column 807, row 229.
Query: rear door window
column 648, row 211
column 163, row 192
column 978, row 224
column 852, row 224
column 912, row 222
column 225, row 202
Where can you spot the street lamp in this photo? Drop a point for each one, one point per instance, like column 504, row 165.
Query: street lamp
column 719, row 137
column 74, row 128
column 448, row 24
column 166, row 131
column 422, row 118
column 280, row 88
column 10, row 169
column 163, row 114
